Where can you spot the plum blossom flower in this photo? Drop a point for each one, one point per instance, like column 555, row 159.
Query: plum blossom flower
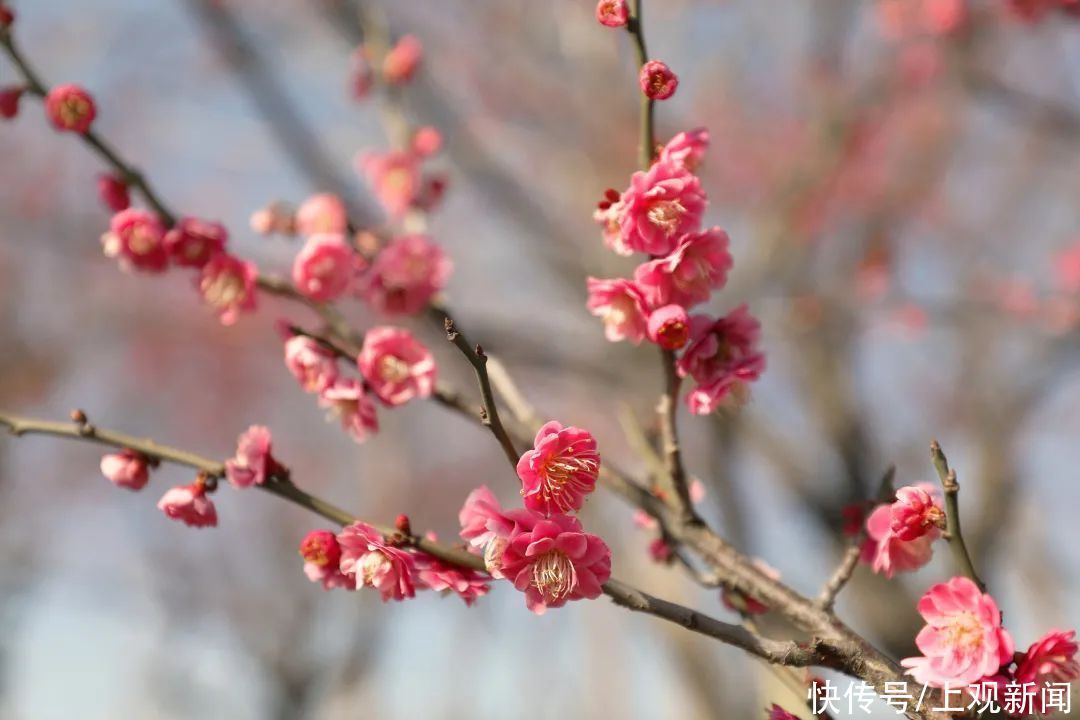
column 607, row 214
column 113, row 192
column 554, row 562
column 321, row 214
column 322, row 555
column 313, row 366
column 688, row 275
column 885, row 551
column 70, row 108
column 621, row 305
column 253, row 462
column 778, row 713
column 394, row 177
column 137, row 239
column 915, row 512
column 433, row 573
column 192, row 242
column 276, row 217
column 403, row 60
column 487, row 527
column 127, row 469
column 722, row 357
column 396, row 365
column 426, row 141
column 963, row 640
column 686, row 149
column 660, row 551
column 1051, row 658
column 560, row 470
column 406, row 275
column 657, row 80
column 669, row 327
column 350, row 404
column 369, row 561
column 482, row 517
column 612, row 13
column 227, row 284
column 660, row 206
column 9, row 100
column 324, row 267
column 190, row 505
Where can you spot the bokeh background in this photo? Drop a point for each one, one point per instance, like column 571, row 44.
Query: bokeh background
column 901, row 180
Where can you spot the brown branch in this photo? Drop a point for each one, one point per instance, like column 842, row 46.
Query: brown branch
column 952, row 514
column 784, row 653
column 489, row 415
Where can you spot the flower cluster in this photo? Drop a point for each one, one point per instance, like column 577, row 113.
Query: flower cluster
column 964, row 644
column 394, row 367
column 541, row 548
column 360, row 556
column 660, row 215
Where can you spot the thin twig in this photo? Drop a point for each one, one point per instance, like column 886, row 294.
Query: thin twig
column 490, row 414
column 846, row 569
column 952, row 514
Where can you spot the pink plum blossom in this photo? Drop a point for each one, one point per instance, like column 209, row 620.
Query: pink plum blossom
column 915, row 513
column 349, row 402
column 963, row 640
column 137, row 239
column 324, row 268
column 321, row 214
column 9, row 102
column 555, row 561
column 886, row 553
column 482, row 517
column 1051, row 658
column 113, row 192
column 322, row 556
column 127, row 469
column 396, row 365
column 1067, row 268
column 313, row 365
column 253, row 463
column 722, row 357
column 70, row 108
column 607, row 214
column 395, row 179
column 612, row 13
column 660, row 206
column 403, row 60
column 621, row 305
column 227, row 284
column 426, row 141
column 657, row 80
column 669, row 327
column 370, row 562
column 406, row 275
column 192, row 242
column 698, row 265
column 487, row 527
column 560, row 470
column 190, row 505
column 433, row 573
column 778, row 713
column 686, row 149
